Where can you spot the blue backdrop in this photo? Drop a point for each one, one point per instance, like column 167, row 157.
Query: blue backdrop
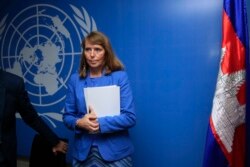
column 171, row 50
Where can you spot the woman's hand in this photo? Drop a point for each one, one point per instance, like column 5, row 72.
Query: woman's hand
column 89, row 121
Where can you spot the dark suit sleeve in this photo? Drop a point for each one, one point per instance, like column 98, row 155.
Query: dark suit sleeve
column 30, row 116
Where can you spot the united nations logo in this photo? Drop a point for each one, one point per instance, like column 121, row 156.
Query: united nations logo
column 42, row 45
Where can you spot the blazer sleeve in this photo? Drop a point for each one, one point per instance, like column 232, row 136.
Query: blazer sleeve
column 72, row 113
column 127, row 117
column 30, row 116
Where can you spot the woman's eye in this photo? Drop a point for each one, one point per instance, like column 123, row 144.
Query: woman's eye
column 87, row 49
column 98, row 49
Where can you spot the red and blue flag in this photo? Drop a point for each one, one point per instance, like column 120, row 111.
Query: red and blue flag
column 226, row 138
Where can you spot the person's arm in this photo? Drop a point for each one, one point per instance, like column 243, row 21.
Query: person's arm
column 70, row 116
column 31, row 118
column 127, row 117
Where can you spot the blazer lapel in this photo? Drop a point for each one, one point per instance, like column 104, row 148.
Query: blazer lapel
column 2, row 102
column 2, row 96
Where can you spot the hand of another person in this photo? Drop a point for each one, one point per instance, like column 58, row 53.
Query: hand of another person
column 62, row 147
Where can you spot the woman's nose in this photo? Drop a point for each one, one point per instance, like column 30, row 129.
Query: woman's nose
column 92, row 52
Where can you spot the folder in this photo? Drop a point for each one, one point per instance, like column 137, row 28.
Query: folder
column 104, row 100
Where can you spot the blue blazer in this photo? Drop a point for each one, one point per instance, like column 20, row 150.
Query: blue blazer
column 113, row 140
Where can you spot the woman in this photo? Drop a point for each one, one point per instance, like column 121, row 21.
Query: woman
column 102, row 141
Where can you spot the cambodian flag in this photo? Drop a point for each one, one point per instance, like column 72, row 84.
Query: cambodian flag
column 226, row 138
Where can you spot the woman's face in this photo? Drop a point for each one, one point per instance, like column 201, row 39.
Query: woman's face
column 94, row 55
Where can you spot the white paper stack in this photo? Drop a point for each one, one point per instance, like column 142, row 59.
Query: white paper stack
column 104, row 100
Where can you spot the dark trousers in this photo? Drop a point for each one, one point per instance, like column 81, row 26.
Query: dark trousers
column 42, row 155
column 3, row 163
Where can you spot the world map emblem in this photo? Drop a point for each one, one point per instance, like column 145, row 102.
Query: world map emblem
column 41, row 43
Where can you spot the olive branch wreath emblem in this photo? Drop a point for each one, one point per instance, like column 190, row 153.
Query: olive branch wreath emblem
column 87, row 24
column 2, row 26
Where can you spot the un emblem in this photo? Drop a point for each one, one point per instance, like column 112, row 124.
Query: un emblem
column 42, row 45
